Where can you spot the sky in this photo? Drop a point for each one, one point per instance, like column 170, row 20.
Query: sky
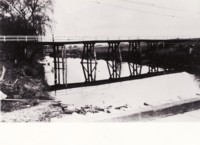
column 127, row 18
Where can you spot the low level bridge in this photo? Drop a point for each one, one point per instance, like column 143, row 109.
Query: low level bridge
column 88, row 59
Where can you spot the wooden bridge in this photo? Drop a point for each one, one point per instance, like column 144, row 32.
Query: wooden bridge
column 48, row 40
column 89, row 58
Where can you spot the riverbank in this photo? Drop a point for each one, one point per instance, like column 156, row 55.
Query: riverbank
column 99, row 103
column 21, row 80
column 43, row 112
column 27, row 81
column 137, row 94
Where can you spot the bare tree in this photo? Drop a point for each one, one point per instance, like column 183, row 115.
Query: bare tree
column 25, row 17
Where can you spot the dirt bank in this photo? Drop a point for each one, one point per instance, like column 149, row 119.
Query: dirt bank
column 21, row 80
column 40, row 113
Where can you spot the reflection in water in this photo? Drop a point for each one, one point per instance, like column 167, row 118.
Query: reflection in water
column 153, row 69
column 135, row 69
column 114, row 69
column 73, row 72
column 114, row 60
column 89, row 63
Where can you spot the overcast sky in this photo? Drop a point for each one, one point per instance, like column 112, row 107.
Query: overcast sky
column 127, row 18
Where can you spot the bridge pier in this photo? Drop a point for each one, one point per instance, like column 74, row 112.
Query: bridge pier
column 88, row 62
column 134, row 60
column 114, row 60
column 64, row 65
column 60, row 65
column 152, row 48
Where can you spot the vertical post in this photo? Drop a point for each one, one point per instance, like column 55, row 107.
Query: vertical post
column 82, row 63
column 90, row 61
column 87, row 58
column 4, row 38
column 55, row 66
column 63, row 65
column 53, row 37
column 58, row 64
column 65, row 58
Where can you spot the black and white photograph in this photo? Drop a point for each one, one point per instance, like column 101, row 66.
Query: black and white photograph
column 99, row 61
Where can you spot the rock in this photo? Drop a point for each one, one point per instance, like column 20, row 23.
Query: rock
column 108, row 111
column 120, row 107
column 69, row 109
column 81, row 111
column 145, row 104
column 2, row 95
column 99, row 109
column 56, row 103
column 87, row 107
column 92, row 110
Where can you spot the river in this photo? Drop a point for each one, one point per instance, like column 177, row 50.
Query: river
column 75, row 72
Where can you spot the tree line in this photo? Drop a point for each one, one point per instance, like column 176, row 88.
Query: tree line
column 24, row 17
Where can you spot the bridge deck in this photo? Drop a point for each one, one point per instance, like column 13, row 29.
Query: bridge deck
column 38, row 40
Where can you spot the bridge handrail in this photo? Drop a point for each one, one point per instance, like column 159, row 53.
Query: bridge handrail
column 27, row 38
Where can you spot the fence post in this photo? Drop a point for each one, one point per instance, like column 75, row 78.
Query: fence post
column 4, row 38
column 53, row 37
column 26, row 38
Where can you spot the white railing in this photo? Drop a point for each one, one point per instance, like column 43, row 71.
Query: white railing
column 20, row 38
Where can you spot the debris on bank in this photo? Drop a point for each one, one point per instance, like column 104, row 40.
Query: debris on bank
column 70, row 108
column 47, row 110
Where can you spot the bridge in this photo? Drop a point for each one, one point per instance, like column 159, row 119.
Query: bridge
column 45, row 40
column 114, row 58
